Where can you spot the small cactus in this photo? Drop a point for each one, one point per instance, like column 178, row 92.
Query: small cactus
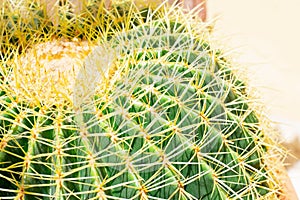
column 126, row 103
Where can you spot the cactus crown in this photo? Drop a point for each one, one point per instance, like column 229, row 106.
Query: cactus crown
column 163, row 117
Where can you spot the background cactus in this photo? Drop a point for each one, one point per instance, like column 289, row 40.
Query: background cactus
column 154, row 111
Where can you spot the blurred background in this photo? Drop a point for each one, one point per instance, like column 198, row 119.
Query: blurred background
column 266, row 38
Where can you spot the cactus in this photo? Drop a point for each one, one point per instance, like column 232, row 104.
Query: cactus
column 126, row 104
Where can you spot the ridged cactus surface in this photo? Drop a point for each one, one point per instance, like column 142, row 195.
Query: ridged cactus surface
column 165, row 118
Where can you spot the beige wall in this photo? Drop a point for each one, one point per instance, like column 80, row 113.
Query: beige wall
column 269, row 33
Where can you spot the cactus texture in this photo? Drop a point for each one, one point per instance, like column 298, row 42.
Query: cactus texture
column 125, row 104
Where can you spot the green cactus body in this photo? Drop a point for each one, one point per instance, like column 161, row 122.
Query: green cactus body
column 171, row 121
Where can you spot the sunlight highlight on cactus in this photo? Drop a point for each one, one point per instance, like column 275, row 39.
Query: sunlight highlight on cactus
column 125, row 103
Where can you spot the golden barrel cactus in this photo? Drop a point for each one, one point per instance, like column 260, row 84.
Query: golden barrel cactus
column 125, row 102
